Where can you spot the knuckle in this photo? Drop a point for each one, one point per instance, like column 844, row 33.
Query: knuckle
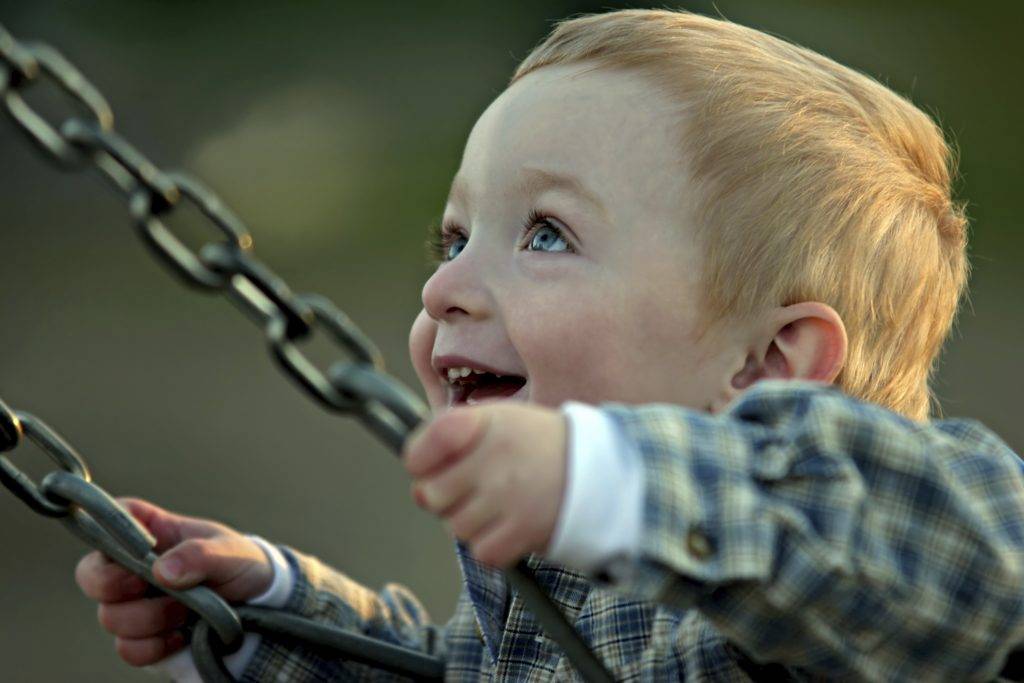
column 440, row 493
column 136, row 652
column 450, row 494
column 130, row 501
column 84, row 573
column 485, row 553
column 457, row 430
column 142, row 618
column 460, row 526
column 445, row 434
column 194, row 551
column 99, row 581
column 107, row 618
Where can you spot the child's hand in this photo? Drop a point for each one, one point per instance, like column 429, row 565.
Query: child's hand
column 202, row 551
column 496, row 473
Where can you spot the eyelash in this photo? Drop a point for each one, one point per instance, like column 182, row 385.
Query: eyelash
column 440, row 236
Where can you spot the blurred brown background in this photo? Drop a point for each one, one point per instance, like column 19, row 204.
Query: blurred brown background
column 334, row 129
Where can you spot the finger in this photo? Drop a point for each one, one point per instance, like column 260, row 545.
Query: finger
column 441, row 493
column 146, row 651
column 142, row 618
column 469, row 518
column 443, row 440
column 169, row 528
column 233, row 565
column 499, row 546
column 106, row 581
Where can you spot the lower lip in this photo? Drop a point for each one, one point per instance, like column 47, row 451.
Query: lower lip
column 519, row 395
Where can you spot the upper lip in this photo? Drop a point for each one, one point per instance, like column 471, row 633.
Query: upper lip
column 442, row 363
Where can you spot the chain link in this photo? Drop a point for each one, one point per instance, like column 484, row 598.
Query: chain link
column 16, row 62
column 24, row 65
column 90, row 513
column 324, row 640
column 14, row 426
column 165, row 244
column 358, row 386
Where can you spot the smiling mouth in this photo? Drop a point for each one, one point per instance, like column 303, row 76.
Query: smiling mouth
column 478, row 386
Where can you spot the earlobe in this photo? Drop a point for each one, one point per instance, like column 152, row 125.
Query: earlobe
column 748, row 374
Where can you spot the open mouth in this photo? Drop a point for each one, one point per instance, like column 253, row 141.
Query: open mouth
column 468, row 386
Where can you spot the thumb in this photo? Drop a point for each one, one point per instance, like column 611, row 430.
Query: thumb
column 233, row 565
column 167, row 527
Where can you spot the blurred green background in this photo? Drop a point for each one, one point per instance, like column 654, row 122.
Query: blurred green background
column 333, row 129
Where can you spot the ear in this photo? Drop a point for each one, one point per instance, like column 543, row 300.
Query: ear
column 805, row 341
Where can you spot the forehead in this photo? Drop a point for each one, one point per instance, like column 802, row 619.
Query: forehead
column 609, row 129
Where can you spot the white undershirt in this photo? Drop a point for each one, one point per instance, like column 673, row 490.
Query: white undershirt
column 599, row 524
column 600, row 521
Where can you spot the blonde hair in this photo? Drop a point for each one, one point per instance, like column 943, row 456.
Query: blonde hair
column 817, row 184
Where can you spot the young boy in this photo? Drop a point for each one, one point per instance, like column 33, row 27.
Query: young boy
column 667, row 237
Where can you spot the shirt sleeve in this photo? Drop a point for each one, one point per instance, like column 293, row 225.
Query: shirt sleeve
column 599, row 523
column 833, row 536
column 322, row 594
column 305, row 586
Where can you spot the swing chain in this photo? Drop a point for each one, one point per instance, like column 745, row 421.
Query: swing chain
column 359, row 387
column 89, row 512
column 229, row 266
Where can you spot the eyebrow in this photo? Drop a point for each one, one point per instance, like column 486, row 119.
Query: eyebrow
column 533, row 181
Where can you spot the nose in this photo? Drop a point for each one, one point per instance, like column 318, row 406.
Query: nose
column 457, row 289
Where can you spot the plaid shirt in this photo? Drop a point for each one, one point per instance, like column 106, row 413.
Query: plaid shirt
column 800, row 527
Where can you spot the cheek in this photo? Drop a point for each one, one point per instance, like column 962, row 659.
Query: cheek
column 421, row 346
column 598, row 344
column 668, row 361
column 566, row 345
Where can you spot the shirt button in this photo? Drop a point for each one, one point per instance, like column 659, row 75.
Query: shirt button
column 699, row 545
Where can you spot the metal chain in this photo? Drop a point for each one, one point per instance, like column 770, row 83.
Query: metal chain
column 359, row 387
column 101, row 522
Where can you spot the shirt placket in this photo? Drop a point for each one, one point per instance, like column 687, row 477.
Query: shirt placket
column 526, row 653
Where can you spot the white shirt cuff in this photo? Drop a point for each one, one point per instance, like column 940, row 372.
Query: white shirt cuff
column 601, row 519
column 281, row 585
column 180, row 666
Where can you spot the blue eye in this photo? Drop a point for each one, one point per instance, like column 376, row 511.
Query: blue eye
column 548, row 238
column 446, row 242
column 455, row 247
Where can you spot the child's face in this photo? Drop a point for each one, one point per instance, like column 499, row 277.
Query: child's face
column 595, row 300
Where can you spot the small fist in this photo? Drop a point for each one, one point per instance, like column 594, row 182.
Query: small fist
column 195, row 551
column 495, row 472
